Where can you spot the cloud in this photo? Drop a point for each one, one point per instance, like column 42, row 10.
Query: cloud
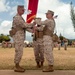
column 4, row 6
column 5, row 27
column 13, row 10
column 0, row 19
column 63, row 22
column 45, row 5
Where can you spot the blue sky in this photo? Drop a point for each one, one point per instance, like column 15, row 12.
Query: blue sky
column 68, row 1
column 11, row 3
column 6, row 15
column 60, row 7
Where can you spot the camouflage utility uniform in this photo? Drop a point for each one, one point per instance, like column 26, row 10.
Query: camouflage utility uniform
column 65, row 44
column 59, row 44
column 47, row 39
column 19, row 37
column 38, row 46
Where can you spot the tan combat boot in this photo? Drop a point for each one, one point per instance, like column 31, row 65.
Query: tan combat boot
column 18, row 68
column 49, row 69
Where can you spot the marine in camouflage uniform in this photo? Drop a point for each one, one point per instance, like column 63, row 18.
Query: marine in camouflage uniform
column 65, row 44
column 37, row 34
column 47, row 39
column 38, row 47
column 59, row 44
column 19, row 37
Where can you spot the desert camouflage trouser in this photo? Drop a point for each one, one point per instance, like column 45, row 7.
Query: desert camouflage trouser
column 19, row 44
column 38, row 50
column 48, row 49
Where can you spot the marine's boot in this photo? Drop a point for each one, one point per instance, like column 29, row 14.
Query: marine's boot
column 49, row 69
column 38, row 64
column 18, row 68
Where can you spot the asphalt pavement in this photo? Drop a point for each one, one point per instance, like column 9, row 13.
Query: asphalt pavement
column 38, row 72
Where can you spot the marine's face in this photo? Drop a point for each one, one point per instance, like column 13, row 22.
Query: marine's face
column 48, row 15
column 21, row 11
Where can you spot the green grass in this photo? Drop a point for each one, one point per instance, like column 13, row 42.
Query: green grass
column 63, row 60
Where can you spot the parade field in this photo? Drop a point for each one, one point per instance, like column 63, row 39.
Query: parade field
column 63, row 59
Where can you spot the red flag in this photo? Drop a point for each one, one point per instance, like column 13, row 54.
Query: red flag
column 32, row 6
